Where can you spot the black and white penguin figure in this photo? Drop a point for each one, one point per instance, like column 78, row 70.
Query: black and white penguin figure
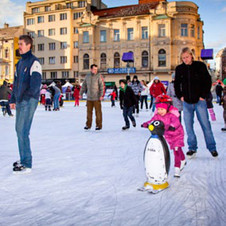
column 156, row 159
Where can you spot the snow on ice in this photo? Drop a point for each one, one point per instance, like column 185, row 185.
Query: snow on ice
column 91, row 178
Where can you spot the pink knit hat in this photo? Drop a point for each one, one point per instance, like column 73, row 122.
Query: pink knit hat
column 162, row 105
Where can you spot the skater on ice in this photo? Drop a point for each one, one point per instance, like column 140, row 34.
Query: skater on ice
column 174, row 133
column 127, row 102
column 192, row 86
column 223, row 100
column 25, row 95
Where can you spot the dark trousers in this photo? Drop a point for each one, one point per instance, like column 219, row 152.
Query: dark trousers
column 127, row 112
column 144, row 100
column 5, row 107
column 151, row 102
column 136, row 107
column 97, row 105
column 112, row 103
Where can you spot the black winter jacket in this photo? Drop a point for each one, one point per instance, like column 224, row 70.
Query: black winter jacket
column 4, row 92
column 127, row 98
column 192, row 82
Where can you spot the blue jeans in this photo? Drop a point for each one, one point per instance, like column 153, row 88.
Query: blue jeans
column 128, row 112
column 24, row 115
column 202, row 114
column 56, row 101
column 153, row 105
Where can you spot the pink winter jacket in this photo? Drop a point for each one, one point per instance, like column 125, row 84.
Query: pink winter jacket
column 174, row 138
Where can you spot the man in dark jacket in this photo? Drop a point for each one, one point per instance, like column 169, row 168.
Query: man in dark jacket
column 25, row 95
column 5, row 91
column 127, row 101
column 192, row 85
column 219, row 90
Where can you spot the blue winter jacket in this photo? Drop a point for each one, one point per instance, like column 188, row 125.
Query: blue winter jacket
column 27, row 79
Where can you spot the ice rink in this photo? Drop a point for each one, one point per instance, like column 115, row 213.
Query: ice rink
column 91, row 178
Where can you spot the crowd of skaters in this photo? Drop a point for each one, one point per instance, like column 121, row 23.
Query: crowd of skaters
column 25, row 95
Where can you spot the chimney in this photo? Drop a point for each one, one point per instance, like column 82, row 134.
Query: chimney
column 150, row 1
column 6, row 25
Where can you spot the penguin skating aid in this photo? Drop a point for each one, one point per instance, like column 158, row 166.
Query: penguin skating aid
column 156, row 160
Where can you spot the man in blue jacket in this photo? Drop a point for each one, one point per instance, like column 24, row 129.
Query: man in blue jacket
column 25, row 95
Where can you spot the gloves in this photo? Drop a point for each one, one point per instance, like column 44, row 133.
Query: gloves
column 144, row 125
column 171, row 128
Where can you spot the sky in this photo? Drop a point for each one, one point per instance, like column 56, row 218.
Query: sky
column 212, row 12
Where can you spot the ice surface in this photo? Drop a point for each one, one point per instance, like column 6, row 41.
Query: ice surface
column 91, row 178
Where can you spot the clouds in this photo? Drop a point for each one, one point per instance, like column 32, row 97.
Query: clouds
column 11, row 13
column 224, row 9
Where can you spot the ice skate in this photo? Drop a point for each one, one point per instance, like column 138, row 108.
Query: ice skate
column 177, row 172
column 182, row 164
column 191, row 154
column 21, row 169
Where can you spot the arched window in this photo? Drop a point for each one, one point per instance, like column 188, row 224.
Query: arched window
column 144, row 59
column 86, row 61
column 103, row 60
column 116, row 60
column 162, row 58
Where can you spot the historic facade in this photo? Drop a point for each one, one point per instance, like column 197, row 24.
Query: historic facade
column 8, row 51
column 69, row 36
column 221, row 64
column 53, row 24
column 155, row 31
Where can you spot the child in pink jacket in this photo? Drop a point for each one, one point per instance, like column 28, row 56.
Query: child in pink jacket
column 174, row 133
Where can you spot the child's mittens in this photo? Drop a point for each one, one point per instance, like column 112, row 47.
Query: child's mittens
column 171, row 128
column 144, row 125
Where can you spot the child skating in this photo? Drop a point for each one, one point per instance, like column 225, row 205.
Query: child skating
column 174, row 133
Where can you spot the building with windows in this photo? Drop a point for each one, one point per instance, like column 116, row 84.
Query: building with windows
column 154, row 30
column 9, row 54
column 53, row 25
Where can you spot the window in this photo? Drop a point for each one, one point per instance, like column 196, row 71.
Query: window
column 75, row 44
column 53, row 74
column 51, row 18
column 144, row 32
column 30, row 21
column 103, row 60
column 75, row 30
column 52, row 46
column 193, row 30
column 31, row 34
column 52, row 60
column 103, row 36
column 77, row 15
column 51, row 31
column 86, row 61
column 69, row 5
column 184, row 30
column 75, row 59
column 162, row 58
column 63, row 59
column 144, row 59
column 63, row 45
column 6, row 53
column 63, row 16
column 81, row 4
column 116, row 35
column 75, row 74
column 130, row 34
column 40, row 33
column 65, row 74
column 85, row 37
column 198, row 33
column 116, row 60
column 42, row 60
column 47, row 8
column 40, row 19
column 41, row 47
column 43, row 75
column 63, row 31
column 162, row 30
column 35, row 10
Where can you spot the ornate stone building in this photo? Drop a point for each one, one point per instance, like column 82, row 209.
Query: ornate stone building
column 221, row 64
column 8, row 54
column 155, row 31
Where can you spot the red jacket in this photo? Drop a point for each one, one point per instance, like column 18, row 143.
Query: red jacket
column 113, row 95
column 157, row 89
column 76, row 91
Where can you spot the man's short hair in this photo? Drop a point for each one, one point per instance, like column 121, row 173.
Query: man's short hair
column 27, row 39
column 93, row 65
